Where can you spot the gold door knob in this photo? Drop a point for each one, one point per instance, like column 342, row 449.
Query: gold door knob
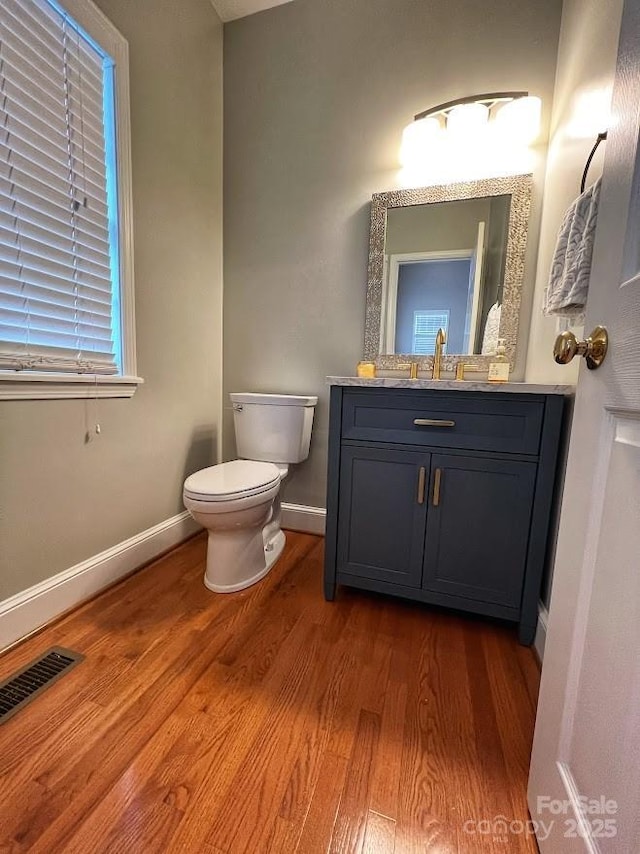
column 594, row 348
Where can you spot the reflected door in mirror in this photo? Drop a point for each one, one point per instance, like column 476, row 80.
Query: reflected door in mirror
column 429, row 295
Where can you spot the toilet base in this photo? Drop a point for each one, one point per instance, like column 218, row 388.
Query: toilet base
column 238, row 559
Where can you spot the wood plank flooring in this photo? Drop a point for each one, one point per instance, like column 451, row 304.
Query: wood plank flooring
column 268, row 721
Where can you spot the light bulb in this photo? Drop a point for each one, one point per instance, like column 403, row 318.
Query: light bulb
column 467, row 119
column 519, row 120
column 417, row 138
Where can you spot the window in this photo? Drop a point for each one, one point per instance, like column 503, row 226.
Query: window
column 66, row 283
column 425, row 329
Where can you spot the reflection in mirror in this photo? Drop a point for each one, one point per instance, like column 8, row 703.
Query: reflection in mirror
column 448, row 257
column 444, row 269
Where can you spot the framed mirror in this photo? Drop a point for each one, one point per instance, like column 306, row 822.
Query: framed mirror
column 449, row 257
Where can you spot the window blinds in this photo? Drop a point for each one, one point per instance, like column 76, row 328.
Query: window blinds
column 56, row 278
column 425, row 330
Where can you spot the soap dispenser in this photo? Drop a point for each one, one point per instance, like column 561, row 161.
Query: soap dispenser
column 499, row 365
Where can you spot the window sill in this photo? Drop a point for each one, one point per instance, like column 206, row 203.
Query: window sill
column 23, row 385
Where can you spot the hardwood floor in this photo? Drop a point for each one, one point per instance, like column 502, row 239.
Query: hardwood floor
column 268, row 721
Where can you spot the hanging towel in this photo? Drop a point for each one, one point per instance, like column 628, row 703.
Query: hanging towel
column 568, row 287
column 491, row 330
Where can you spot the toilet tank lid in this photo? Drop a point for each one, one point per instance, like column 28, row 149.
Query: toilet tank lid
column 274, row 399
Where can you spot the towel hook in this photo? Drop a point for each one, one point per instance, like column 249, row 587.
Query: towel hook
column 601, row 137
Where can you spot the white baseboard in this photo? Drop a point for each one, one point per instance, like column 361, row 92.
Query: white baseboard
column 541, row 632
column 299, row 517
column 24, row 613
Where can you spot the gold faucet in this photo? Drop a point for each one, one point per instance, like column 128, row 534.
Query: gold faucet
column 441, row 340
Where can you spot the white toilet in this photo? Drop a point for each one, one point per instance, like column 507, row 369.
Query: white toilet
column 238, row 502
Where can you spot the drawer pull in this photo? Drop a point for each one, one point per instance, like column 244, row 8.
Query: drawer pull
column 432, row 422
column 437, row 479
column 422, row 477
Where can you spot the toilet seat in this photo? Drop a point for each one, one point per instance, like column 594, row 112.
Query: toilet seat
column 234, row 480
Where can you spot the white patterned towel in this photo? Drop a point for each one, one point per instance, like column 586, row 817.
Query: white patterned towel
column 568, row 287
column 491, row 330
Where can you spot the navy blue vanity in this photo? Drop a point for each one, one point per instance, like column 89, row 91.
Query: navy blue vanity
column 443, row 495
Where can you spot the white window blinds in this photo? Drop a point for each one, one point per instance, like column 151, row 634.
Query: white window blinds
column 58, row 262
column 425, row 330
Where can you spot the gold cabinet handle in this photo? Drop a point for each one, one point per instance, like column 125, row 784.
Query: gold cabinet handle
column 594, row 348
column 432, row 422
column 422, row 477
column 437, row 480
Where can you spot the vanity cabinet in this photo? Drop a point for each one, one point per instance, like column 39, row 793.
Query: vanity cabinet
column 443, row 496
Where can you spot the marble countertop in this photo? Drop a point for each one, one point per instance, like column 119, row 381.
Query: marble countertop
column 453, row 385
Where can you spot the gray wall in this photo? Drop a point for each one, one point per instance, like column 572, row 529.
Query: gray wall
column 586, row 65
column 61, row 500
column 316, row 95
column 431, row 228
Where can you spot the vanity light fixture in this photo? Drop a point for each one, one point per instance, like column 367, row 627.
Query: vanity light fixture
column 473, row 137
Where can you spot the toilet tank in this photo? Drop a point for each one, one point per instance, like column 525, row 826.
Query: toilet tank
column 275, row 428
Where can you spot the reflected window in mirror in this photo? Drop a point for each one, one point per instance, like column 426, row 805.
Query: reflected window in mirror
column 426, row 324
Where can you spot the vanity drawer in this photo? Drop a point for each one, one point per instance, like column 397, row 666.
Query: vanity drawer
column 437, row 419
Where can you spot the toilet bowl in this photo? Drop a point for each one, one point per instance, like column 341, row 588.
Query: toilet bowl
column 234, row 502
column 238, row 502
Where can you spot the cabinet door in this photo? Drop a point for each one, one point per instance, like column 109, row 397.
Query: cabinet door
column 478, row 528
column 382, row 514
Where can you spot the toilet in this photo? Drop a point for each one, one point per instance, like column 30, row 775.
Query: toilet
column 238, row 502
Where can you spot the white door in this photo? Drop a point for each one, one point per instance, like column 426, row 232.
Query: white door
column 584, row 787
